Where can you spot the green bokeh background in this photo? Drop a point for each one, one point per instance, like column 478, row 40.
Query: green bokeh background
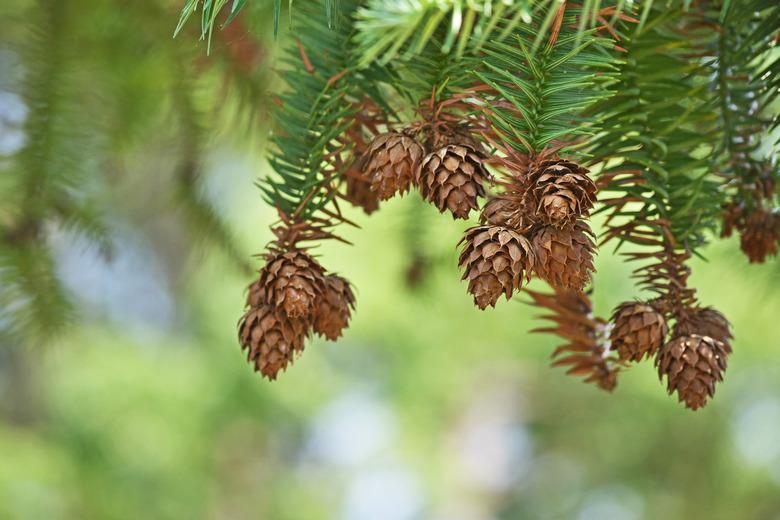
column 426, row 409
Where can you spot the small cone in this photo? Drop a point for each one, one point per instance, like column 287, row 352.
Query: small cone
column 391, row 162
column 561, row 192
column 565, row 256
column 494, row 261
column 761, row 235
column 270, row 339
column 335, row 308
column 509, row 208
column 292, row 281
column 733, row 218
column 705, row 322
column 452, row 178
column 506, row 210
column 692, row 365
column 639, row 331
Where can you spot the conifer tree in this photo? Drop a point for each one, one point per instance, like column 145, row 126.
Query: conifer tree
column 535, row 115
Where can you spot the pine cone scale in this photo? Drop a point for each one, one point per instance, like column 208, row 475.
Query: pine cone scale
column 452, row 178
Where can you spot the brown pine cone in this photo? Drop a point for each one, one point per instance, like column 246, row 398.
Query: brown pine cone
column 638, row 330
column 494, row 261
column 452, row 178
column 761, row 235
column 561, row 191
column 334, row 308
column 733, row 218
column 391, row 162
column 271, row 339
column 292, row 281
column 564, row 256
column 705, row 322
column 692, row 365
column 505, row 210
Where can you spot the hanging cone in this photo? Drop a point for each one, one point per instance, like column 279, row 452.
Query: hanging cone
column 564, row 256
column 639, row 330
column 359, row 188
column 292, row 281
column 334, row 308
column 499, row 211
column 561, row 191
column 494, row 261
column 761, row 235
column 733, row 218
column 270, row 338
column 692, row 365
column 391, row 162
column 705, row 321
column 509, row 208
column 452, row 178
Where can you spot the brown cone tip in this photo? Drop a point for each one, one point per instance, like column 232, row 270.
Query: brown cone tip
column 692, row 365
column 704, row 321
column 335, row 308
column 501, row 210
column 452, row 178
column 270, row 339
column 564, row 256
column 391, row 162
column 761, row 235
column 494, row 260
column 509, row 208
column 638, row 330
column 561, row 191
column 292, row 281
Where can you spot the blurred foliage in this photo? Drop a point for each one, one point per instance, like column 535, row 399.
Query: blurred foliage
column 103, row 88
column 426, row 409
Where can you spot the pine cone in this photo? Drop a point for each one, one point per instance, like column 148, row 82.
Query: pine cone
column 334, row 309
column 507, row 211
column 705, row 322
column 292, row 281
column 564, row 256
column 761, row 235
column 452, row 178
column 392, row 160
column 639, row 330
column 494, row 260
column 692, row 365
column 733, row 218
column 359, row 188
column 270, row 338
column 561, row 191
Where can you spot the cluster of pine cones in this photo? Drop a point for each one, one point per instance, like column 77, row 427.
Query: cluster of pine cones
column 692, row 359
column 533, row 225
column 292, row 298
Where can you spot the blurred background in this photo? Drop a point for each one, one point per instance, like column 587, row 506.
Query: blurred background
column 127, row 162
